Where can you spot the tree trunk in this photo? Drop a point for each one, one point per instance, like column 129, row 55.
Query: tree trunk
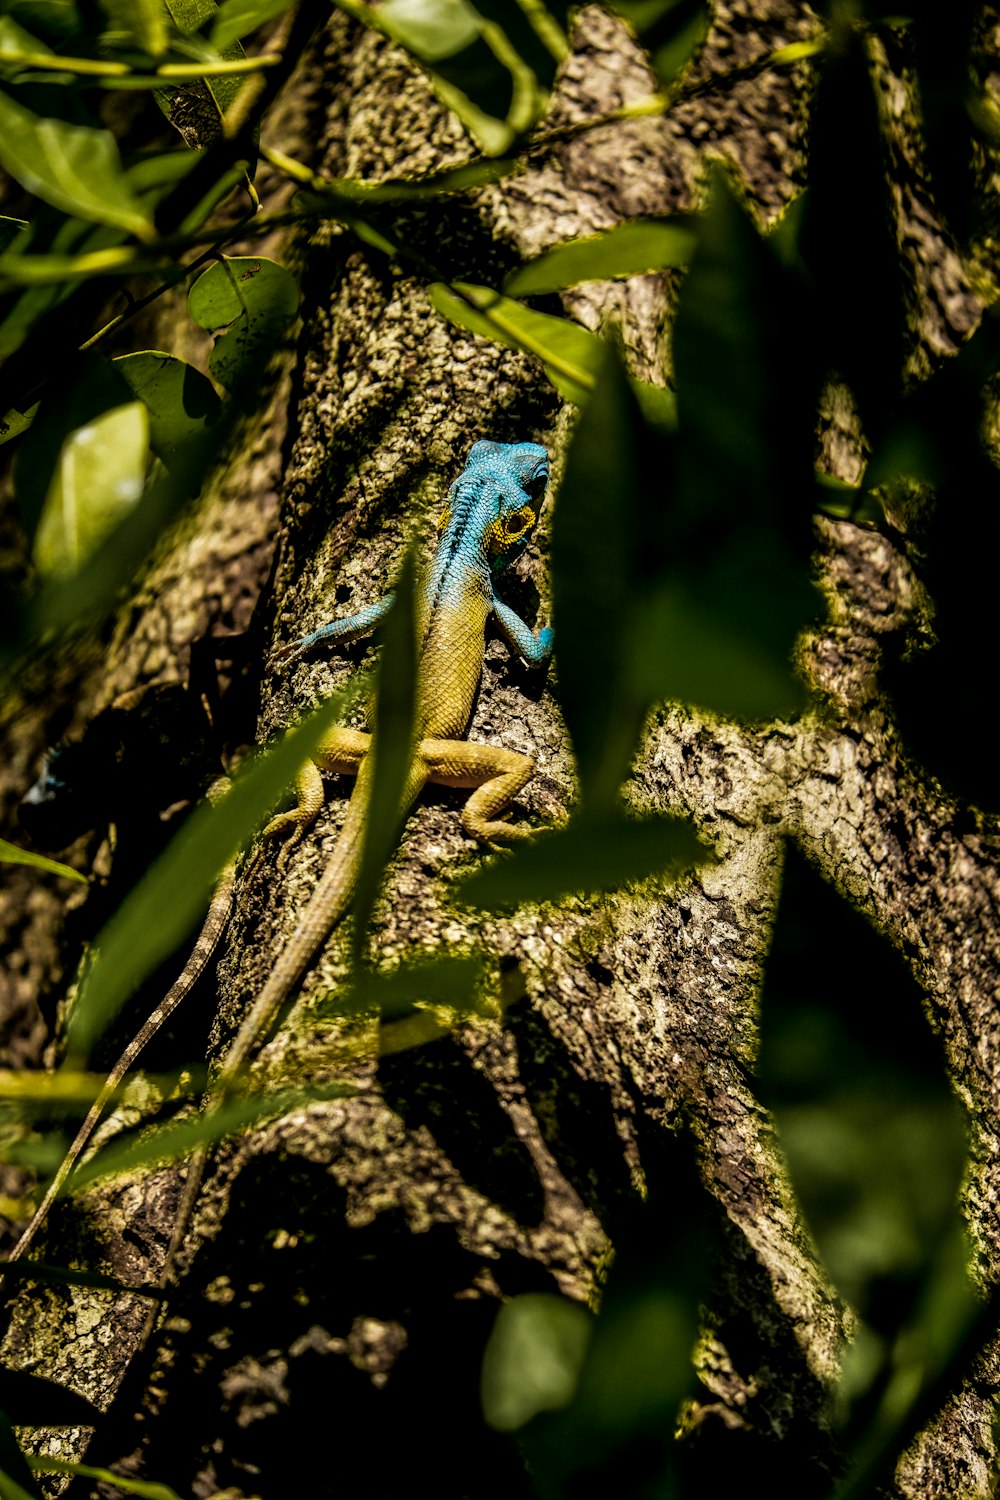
column 346, row 1261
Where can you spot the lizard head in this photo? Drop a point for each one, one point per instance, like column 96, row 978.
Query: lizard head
column 515, row 475
column 497, row 497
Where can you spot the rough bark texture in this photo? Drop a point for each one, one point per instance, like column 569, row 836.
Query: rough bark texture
column 346, row 1260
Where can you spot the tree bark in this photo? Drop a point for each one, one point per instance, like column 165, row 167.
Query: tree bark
column 346, row 1261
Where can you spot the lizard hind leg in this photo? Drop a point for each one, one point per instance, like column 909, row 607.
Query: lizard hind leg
column 291, row 825
column 497, row 775
column 342, row 750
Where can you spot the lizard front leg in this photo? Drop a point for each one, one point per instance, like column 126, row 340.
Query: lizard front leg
column 341, row 750
column 335, row 633
column 522, row 640
column 496, row 774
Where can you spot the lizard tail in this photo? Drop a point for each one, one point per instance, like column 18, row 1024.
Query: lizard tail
column 326, row 906
column 205, row 945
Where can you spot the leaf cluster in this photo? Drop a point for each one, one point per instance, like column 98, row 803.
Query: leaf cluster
column 687, row 509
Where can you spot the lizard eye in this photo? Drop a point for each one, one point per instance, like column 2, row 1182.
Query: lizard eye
column 536, row 484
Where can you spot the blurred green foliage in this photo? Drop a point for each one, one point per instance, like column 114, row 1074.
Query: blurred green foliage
column 686, row 509
column 876, row 1145
column 593, row 1402
column 11, row 854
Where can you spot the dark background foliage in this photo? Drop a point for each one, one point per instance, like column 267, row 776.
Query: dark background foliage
column 143, row 169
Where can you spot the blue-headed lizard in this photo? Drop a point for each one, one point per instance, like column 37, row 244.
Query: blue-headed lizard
column 492, row 509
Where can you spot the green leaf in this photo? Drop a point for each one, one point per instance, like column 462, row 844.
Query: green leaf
column 605, row 546
column 142, row 22
column 491, row 135
column 182, row 403
column 723, row 638
column 10, row 854
column 677, row 47
column 192, row 16
column 48, row 261
column 58, row 21
column 430, row 29
column 473, row 67
column 168, row 1142
column 533, row 1358
column 390, row 760
column 154, row 176
column 237, row 18
column 9, row 231
column 671, row 31
column 452, row 980
column 14, row 422
column 35, row 1401
column 571, row 354
column 591, row 854
column 16, row 43
column 196, row 109
column 98, row 479
column 44, row 1271
column 875, row 1141
column 64, row 1089
column 74, row 167
column 166, row 903
column 40, row 1154
column 657, row 404
column 92, row 591
column 629, row 249
column 637, row 1366
column 747, row 376
column 724, row 617
column 500, row 71
column 252, row 299
column 146, row 1489
column 16, row 1482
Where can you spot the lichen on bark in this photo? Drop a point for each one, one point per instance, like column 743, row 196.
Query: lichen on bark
column 349, row 1257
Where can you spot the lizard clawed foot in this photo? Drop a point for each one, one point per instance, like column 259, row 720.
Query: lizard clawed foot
column 504, row 834
column 283, row 657
column 287, row 848
column 287, row 828
column 501, row 834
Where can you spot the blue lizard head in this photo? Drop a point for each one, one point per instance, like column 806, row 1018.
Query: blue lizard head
column 516, row 475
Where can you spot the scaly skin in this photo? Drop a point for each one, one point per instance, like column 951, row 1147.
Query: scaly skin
column 492, row 509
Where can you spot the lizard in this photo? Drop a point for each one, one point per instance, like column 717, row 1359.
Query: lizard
column 491, row 511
